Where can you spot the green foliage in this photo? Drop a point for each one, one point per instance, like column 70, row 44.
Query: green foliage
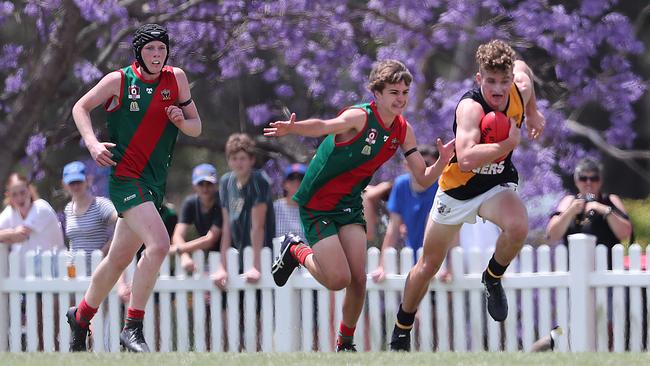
column 639, row 212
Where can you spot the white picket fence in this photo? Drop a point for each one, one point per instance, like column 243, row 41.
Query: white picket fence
column 303, row 316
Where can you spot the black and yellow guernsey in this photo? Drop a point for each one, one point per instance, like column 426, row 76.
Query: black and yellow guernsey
column 465, row 185
column 340, row 171
column 138, row 125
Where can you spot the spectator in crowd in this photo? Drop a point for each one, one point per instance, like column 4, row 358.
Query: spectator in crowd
column 374, row 210
column 287, row 216
column 89, row 220
column 246, row 208
column 409, row 205
column 590, row 211
column 28, row 222
column 203, row 211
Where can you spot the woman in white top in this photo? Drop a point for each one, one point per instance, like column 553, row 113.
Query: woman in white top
column 28, row 222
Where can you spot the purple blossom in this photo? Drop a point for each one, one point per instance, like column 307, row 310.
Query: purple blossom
column 14, row 82
column 87, row 72
column 10, row 55
column 284, row 91
column 35, row 144
column 259, row 114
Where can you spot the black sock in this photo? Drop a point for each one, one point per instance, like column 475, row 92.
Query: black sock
column 495, row 270
column 404, row 320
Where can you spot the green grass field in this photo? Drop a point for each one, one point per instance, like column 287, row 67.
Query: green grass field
column 330, row 359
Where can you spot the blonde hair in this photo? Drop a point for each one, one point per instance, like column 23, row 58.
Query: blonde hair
column 495, row 55
column 15, row 178
column 388, row 72
column 240, row 142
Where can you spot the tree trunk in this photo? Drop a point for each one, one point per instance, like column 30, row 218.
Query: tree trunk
column 49, row 70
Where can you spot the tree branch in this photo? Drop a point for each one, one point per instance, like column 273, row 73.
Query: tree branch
column 626, row 156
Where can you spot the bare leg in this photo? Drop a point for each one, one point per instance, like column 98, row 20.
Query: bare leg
column 123, row 247
column 508, row 212
column 437, row 240
column 328, row 264
column 353, row 240
column 146, row 222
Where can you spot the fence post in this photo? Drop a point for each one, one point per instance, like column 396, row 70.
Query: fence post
column 4, row 298
column 286, row 325
column 582, row 257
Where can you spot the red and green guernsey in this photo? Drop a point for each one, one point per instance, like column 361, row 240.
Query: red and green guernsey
column 330, row 193
column 144, row 137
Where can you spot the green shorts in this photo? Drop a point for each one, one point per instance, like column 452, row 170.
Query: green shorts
column 318, row 225
column 129, row 192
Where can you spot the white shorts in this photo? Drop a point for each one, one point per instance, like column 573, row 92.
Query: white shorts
column 450, row 211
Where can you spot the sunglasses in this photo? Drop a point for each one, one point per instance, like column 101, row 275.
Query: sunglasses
column 593, row 178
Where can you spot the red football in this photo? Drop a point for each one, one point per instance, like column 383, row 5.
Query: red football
column 494, row 128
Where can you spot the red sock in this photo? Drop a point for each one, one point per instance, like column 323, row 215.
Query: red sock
column 134, row 315
column 300, row 252
column 346, row 334
column 85, row 313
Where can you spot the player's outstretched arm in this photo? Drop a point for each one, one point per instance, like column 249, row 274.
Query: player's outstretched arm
column 524, row 79
column 106, row 89
column 185, row 116
column 423, row 175
column 351, row 119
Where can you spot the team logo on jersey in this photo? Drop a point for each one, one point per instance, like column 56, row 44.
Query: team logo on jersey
column 366, row 150
column 166, row 94
column 134, row 92
column 394, row 143
column 134, row 107
column 443, row 209
column 385, row 138
column 372, row 137
column 149, row 90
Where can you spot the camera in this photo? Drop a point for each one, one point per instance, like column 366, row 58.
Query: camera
column 589, row 197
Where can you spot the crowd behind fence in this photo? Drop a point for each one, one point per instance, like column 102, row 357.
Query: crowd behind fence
column 545, row 287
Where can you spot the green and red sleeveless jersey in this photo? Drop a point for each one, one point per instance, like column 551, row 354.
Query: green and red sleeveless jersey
column 340, row 171
column 138, row 125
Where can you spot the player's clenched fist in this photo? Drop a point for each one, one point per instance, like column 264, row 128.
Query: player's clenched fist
column 175, row 114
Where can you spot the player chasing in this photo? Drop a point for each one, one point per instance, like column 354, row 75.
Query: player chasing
column 474, row 184
column 147, row 103
column 358, row 142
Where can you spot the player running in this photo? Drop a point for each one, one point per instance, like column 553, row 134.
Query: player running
column 147, row 103
column 474, row 185
column 358, row 142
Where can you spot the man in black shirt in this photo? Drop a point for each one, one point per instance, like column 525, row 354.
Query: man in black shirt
column 203, row 210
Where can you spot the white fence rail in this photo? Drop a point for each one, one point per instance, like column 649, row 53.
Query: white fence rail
column 186, row 312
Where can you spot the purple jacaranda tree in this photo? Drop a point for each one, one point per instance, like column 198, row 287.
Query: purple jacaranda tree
column 313, row 57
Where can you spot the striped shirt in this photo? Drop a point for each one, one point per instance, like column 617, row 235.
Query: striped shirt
column 92, row 229
column 287, row 218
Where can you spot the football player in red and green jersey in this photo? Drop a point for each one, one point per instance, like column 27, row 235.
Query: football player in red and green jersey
column 147, row 103
column 358, row 142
